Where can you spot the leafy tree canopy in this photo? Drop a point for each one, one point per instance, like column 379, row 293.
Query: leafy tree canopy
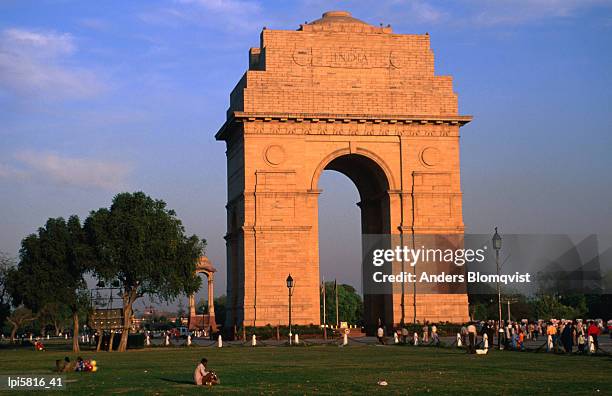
column 51, row 266
column 6, row 263
column 141, row 243
column 350, row 304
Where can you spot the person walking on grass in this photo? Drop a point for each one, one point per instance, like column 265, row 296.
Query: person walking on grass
column 521, row 340
column 464, row 334
column 593, row 331
column 404, row 335
column 551, row 332
column 471, row 337
column 567, row 338
column 491, row 332
column 380, row 334
column 435, row 339
column 514, row 339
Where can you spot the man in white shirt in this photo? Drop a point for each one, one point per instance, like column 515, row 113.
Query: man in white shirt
column 200, row 372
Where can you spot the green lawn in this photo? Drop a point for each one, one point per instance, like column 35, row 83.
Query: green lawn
column 326, row 370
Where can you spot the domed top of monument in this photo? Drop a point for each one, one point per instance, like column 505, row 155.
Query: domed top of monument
column 337, row 17
column 342, row 21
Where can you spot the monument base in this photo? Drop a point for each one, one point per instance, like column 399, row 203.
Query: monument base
column 202, row 322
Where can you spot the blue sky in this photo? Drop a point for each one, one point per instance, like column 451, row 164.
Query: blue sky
column 102, row 97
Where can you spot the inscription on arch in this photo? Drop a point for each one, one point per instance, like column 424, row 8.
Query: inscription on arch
column 346, row 57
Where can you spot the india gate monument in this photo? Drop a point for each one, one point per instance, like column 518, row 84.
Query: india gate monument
column 336, row 94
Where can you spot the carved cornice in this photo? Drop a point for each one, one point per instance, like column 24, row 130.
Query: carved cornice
column 317, row 119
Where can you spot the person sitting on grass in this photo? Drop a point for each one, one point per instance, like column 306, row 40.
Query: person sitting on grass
column 80, row 364
column 202, row 376
column 38, row 346
column 64, row 366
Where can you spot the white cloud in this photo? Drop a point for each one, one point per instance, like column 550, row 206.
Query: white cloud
column 34, row 64
column 49, row 43
column 71, row 171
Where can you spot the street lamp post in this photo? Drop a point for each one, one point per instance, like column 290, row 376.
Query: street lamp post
column 509, row 301
column 497, row 244
column 290, row 288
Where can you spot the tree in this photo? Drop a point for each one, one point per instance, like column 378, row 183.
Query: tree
column 6, row 263
column 599, row 305
column 51, row 267
column 350, row 304
column 180, row 312
column 548, row 306
column 202, row 307
column 220, row 304
column 55, row 314
column 19, row 318
column 142, row 244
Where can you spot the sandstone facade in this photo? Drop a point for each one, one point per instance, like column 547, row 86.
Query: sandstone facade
column 336, row 94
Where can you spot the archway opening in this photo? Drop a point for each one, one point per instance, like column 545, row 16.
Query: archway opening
column 201, row 296
column 341, row 226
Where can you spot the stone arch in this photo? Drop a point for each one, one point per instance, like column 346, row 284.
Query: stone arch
column 373, row 182
column 304, row 106
column 205, row 321
column 346, row 151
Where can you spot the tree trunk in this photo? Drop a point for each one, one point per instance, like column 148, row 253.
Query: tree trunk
column 100, row 335
column 110, row 342
column 13, row 333
column 128, row 300
column 75, row 331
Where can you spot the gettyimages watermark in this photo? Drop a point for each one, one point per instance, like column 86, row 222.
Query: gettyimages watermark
column 469, row 263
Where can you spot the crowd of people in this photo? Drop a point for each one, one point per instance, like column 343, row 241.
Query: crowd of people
column 558, row 335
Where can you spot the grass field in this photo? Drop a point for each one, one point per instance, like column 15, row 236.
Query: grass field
column 325, row 370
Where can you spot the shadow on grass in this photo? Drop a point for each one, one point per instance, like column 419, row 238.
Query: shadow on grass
column 176, row 381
